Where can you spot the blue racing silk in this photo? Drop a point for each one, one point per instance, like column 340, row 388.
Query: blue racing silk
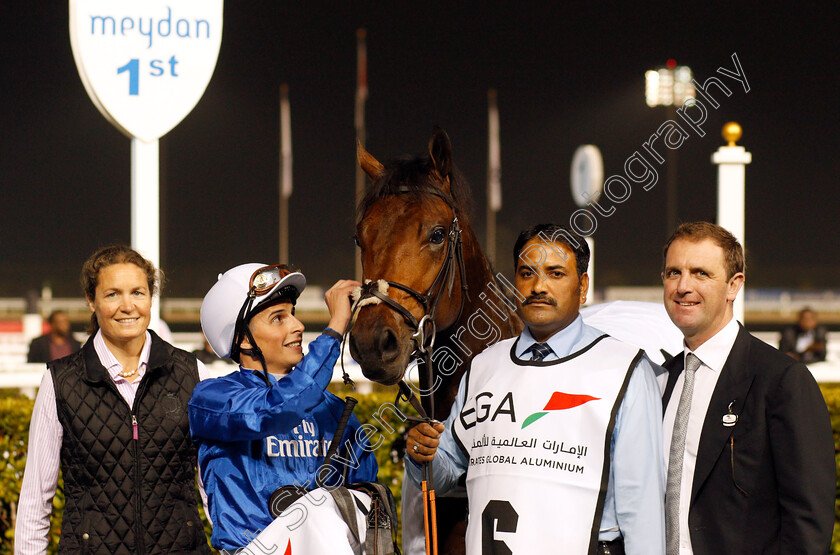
column 252, row 439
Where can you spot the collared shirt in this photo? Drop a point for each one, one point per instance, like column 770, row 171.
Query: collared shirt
column 712, row 354
column 561, row 342
column 804, row 340
column 127, row 389
column 633, row 506
column 44, row 450
column 60, row 350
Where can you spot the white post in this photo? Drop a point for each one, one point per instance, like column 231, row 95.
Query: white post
column 285, row 170
column 731, row 161
column 494, row 172
column 46, row 300
column 361, row 131
column 33, row 326
column 587, row 178
column 145, row 208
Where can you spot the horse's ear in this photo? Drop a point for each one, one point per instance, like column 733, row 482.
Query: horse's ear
column 368, row 163
column 440, row 152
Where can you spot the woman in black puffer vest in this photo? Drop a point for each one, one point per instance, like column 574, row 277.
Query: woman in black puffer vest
column 114, row 418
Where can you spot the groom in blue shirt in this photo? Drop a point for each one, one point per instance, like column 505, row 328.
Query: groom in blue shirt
column 552, row 283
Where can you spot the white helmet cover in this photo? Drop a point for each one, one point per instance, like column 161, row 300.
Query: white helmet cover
column 222, row 304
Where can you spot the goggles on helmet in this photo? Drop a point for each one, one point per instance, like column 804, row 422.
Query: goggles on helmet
column 262, row 282
column 265, row 278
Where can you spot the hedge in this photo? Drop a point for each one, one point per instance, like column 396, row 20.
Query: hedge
column 831, row 392
column 15, row 412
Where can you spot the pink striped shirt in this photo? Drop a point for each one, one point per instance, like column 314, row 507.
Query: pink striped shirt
column 45, row 435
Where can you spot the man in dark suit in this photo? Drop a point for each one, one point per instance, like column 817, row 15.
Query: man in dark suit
column 57, row 343
column 805, row 341
column 747, row 436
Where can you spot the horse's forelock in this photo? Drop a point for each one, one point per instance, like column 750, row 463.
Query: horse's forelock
column 414, row 176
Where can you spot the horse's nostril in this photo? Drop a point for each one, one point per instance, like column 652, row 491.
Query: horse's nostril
column 389, row 346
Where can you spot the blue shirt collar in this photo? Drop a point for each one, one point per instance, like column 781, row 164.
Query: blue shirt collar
column 561, row 342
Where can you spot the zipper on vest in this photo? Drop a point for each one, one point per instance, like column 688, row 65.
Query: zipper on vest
column 138, row 474
column 138, row 528
column 138, row 488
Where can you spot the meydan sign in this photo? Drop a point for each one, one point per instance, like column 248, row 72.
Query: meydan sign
column 145, row 63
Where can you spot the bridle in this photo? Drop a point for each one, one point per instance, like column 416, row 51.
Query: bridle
column 424, row 334
column 425, row 328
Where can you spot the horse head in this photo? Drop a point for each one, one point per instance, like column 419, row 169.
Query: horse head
column 409, row 231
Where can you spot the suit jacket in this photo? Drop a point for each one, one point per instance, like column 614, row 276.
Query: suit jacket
column 39, row 348
column 766, row 484
column 787, row 343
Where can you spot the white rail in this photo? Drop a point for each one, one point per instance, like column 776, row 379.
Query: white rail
column 770, row 301
column 16, row 373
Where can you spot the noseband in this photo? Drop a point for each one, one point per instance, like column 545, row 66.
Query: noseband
column 425, row 329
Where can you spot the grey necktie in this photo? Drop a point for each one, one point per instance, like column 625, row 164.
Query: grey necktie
column 539, row 351
column 675, row 459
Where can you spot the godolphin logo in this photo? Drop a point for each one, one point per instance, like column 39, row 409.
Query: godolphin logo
column 560, row 401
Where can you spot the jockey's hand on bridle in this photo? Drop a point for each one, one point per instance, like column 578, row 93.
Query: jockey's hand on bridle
column 423, row 440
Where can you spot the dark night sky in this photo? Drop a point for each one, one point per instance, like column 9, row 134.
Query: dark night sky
column 567, row 74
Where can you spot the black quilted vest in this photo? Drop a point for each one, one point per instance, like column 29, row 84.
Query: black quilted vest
column 127, row 496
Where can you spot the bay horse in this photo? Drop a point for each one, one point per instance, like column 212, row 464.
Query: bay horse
column 437, row 294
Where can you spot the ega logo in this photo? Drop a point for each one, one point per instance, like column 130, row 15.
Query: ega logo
column 483, row 408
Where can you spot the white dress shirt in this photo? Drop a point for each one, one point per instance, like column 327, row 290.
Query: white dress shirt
column 40, row 478
column 712, row 354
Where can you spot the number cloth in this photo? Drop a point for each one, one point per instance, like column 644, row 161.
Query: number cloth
column 313, row 525
column 558, row 454
column 556, row 448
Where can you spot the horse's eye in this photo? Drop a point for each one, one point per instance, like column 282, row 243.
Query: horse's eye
column 356, row 240
column 437, row 236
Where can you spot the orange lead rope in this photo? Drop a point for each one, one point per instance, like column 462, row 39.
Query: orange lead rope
column 429, row 511
column 434, row 521
column 429, row 508
column 429, row 519
column 424, row 485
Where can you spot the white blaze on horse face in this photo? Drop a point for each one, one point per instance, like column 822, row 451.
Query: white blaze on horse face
column 405, row 242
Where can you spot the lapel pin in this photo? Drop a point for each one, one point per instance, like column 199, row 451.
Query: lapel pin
column 730, row 419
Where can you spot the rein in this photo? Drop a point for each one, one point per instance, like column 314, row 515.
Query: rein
column 423, row 338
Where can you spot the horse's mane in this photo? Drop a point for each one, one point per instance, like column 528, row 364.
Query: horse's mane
column 412, row 173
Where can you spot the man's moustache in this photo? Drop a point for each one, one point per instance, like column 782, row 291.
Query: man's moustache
column 541, row 299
